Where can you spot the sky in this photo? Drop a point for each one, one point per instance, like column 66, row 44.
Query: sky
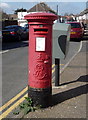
column 63, row 7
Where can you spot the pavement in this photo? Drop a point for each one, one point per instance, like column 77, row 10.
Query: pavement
column 69, row 99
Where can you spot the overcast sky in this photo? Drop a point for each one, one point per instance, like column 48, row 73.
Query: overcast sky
column 63, row 7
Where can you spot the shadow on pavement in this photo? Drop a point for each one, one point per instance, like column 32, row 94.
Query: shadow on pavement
column 74, row 92
column 12, row 45
column 81, row 79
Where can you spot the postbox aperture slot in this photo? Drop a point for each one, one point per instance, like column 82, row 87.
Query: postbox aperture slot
column 40, row 30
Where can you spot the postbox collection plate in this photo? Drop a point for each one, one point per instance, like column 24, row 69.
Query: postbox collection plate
column 40, row 43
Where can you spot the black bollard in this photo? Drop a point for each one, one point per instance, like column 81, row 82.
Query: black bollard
column 57, row 72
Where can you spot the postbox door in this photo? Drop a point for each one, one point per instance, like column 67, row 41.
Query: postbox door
column 40, row 57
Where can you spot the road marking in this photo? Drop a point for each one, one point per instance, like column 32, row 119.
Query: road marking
column 1, row 52
column 4, row 114
column 53, row 65
column 13, row 107
column 71, row 58
column 80, row 47
column 17, row 96
column 13, row 99
column 61, row 64
column 53, row 70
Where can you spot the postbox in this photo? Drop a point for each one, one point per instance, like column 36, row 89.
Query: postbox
column 40, row 57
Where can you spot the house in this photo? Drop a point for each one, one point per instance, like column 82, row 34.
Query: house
column 21, row 20
column 12, row 16
column 67, row 18
column 83, row 16
column 9, row 19
column 40, row 7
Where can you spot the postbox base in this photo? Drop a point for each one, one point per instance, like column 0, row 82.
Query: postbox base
column 41, row 96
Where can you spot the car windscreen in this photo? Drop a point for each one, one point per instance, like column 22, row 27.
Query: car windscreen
column 75, row 25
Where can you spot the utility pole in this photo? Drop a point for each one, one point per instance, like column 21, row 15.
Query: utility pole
column 57, row 9
column 57, row 13
column 87, row 5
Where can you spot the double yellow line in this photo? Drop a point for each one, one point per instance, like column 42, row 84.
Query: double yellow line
column 53, row 69
column 4, row 114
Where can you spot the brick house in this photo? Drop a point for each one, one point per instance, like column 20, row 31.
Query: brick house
column 40, row 7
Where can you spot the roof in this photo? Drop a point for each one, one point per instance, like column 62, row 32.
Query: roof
column 84, row 12
column 41, row 7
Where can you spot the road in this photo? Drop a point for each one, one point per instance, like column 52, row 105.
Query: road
column 15, row 67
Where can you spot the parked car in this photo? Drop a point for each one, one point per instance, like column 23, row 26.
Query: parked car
column 13, row 33
column 26, row 30
column 77, row 30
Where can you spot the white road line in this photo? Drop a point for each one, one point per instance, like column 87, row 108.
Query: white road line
column 1, row 52
column 71, row 58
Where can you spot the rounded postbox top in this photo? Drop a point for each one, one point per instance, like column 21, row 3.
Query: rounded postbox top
column 41, row 16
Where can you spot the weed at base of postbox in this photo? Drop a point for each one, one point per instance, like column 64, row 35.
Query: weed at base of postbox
column 41, row 96
column 26, row 107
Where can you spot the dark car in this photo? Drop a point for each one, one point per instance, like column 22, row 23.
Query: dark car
column 26, row 30
column 13, row 33
column 77, row 30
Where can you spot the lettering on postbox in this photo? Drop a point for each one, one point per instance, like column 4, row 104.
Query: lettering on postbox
column 40, row 43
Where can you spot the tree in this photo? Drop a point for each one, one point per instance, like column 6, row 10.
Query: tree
column 20, row 10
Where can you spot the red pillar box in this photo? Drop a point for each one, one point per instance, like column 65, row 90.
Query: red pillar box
column 40, row 57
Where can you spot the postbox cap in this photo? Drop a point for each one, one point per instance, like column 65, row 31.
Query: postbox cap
column 41, row 16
